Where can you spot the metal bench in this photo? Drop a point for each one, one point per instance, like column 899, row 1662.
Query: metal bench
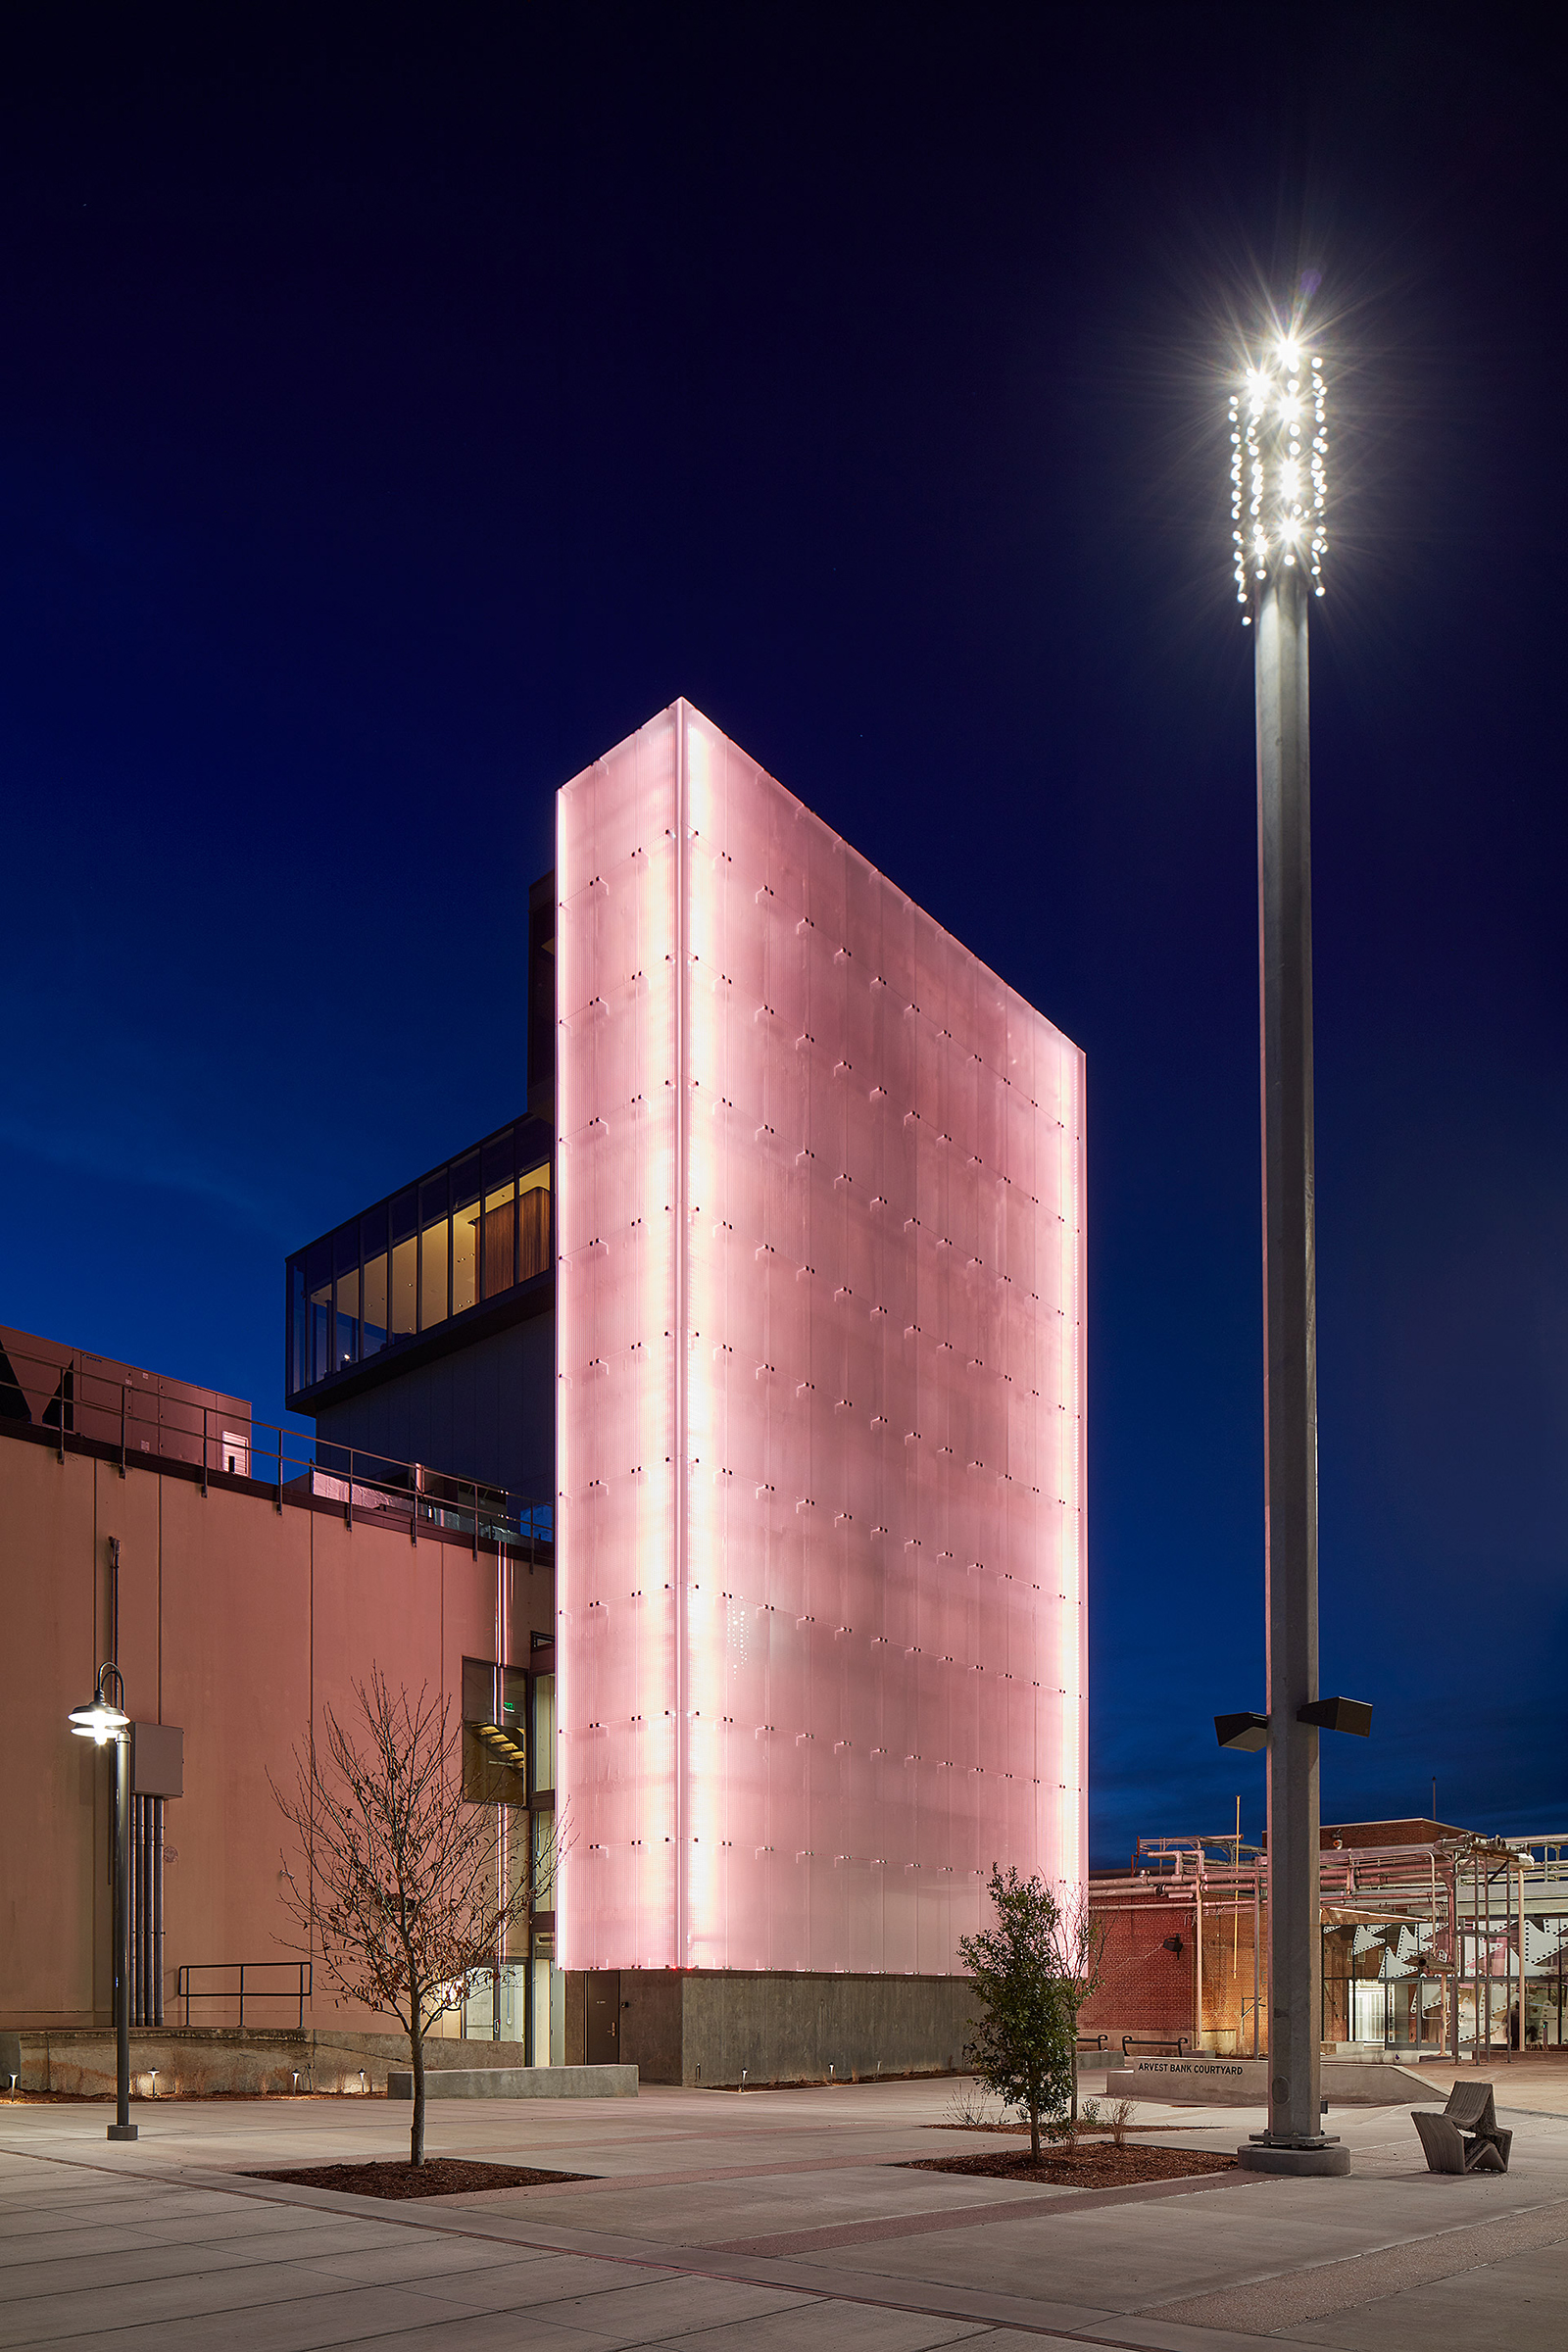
column 1090, row 2042
column 1466, row 2136
column 1156, row 2045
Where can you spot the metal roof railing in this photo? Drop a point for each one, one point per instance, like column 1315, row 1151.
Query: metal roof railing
column 139, row 1420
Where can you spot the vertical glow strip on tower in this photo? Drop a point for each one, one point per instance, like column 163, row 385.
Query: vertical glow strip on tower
column 618, row 1457
column 1279, row 478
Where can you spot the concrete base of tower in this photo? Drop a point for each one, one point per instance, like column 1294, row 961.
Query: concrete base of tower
column 1330, row 2158
column 730, row 2028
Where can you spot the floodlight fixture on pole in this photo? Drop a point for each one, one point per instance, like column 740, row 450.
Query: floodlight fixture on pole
column 1248, row 1733
column 1279, row 468
column 1279, row 508
column 103, row 1720
column 1351, row 1715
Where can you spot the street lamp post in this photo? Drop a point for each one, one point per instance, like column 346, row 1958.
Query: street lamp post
column 1279, row 444
column 105, row 1722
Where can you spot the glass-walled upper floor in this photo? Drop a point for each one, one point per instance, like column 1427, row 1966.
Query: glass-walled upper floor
column 461, row 1238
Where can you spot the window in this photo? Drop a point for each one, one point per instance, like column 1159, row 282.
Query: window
column 346, row 1258
column 533, row 1252
column 498, row 1156
column 464, row 1233
column 544, row 1731
column 517, row 1857
column 405, row 1265
column 549, row 2005
column 498, row 1253
column 318, row 1276
column 373, row 1249
column 543, row 1861
column 494, row 1736
column 299, row 1375
column 470, row 1232
column 515, row 1701
column 434, row 1230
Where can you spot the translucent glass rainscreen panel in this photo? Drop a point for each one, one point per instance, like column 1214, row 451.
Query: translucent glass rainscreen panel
column 874, row 1639
column 618, row 1453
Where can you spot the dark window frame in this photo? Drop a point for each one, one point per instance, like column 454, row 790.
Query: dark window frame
column 526, row 1145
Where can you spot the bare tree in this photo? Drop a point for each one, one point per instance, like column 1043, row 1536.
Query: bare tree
column 1078, row 1946
column 400, row 1893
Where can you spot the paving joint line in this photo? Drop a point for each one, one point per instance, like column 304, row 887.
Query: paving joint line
column 318, row 2283
column 697, row 2261
column 1390, row 2246
column 308, row 2260
column 956, row 2303
column 930, row 2220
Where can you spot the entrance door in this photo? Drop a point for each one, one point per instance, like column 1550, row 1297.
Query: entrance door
column 601, row 2037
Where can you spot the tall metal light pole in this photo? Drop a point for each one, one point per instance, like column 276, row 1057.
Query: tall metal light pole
column 105, row 1722
column 1279, row 498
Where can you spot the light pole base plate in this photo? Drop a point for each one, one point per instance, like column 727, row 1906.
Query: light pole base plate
column 1331, row 2160
column 121, row 2130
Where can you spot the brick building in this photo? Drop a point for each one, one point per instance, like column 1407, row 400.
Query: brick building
column 1433, row 1938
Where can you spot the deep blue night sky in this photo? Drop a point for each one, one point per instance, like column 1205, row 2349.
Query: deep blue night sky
column 395, row 410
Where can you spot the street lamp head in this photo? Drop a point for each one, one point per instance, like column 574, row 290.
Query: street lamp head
column 1279, row 467
column 101, row 1719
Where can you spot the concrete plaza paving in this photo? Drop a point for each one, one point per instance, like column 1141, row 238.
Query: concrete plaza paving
column 776, row 2221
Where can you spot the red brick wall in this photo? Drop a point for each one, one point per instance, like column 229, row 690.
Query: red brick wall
column 1384, row 1833
column 1146, row 1989
column 1143, row 1986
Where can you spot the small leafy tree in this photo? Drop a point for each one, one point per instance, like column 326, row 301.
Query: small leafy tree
column 1023, row 2046
column 399, row 1885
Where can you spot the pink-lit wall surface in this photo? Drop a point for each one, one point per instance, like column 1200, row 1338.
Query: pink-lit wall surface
column 821, row 1448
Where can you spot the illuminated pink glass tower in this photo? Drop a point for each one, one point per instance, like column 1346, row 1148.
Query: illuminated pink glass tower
column 820, row 1444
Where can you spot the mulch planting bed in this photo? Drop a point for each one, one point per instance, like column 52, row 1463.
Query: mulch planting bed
column 1098, row 2164
column 436, row 2177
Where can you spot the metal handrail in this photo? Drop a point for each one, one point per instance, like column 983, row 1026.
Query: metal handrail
column 116, row 1411
column 192, row 1968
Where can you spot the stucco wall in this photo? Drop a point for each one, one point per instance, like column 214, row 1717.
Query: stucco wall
column 487, row 1411
column 241, row 1623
